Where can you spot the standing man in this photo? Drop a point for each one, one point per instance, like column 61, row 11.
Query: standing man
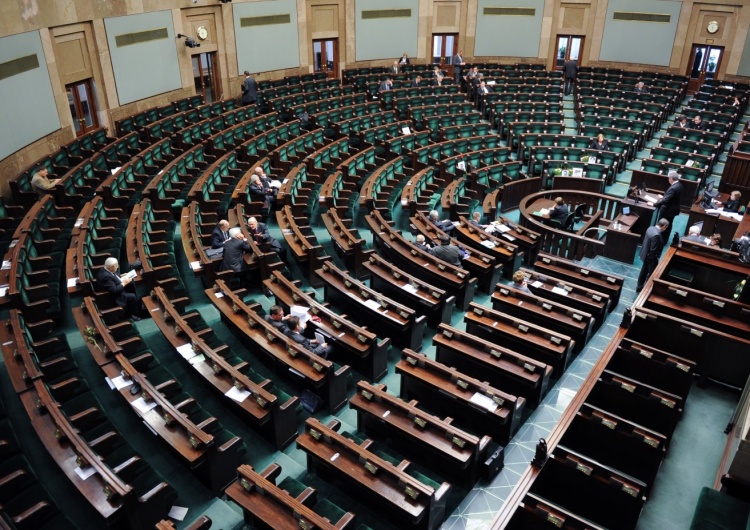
column 249, row 90
column 234, row 251
column 458, row 62
column 669, row 203
column 570, row 71
column 653, row 244
column 220, row 235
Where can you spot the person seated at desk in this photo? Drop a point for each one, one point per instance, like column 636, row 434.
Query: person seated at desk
column 234, row 251
column 422, row 243
column 445, row 225
column 473, row 74
column 694, row 235
column 41, row 184
column 599, row 143
column 682, row 122
column 733, row 204
column 698, row 123
column 475, row 218
column 447, row 252
column 736, row 102
column 276, row 318
column 519, row 282
column 714, row 240
column 220, row 235
column 437, row 76
column 417, row 81
column 263, row 191
column 641, row 88
column 385, row 85
column 560, row 212
column 483, row 89
column 121, row 288
column 293, row 332
column 263, row 238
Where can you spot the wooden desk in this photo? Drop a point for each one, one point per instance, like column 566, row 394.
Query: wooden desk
column 382, row 484
column 715, row 223
column 573, row 272
column 433, row 441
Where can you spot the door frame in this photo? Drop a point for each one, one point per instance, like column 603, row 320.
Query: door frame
column 333, row 73
column 694, row 83
column 89, row 88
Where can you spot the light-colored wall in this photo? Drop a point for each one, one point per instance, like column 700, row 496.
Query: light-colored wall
column 27, row 103
column 271, row 47
column 388, row 37
column 640, row 42
column 147, row 68
column 514, row 36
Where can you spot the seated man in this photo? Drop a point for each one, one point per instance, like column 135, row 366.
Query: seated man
column 121, row 288
column 220, row 235
column 698, row 123
column 276, row 318
column 682, row 122
column 560, row 212
column 519, row 282
column 385, row 85
column 41, row 184
column 263, row 191
column 447, row 252
column 483, row 89
column 322, row 350
column 641, row 88
column 422, row 243
column 694, row 234
column 417, row 81
column 263, row 238
column 445, row 225
column 234, row 251
column 475, row 218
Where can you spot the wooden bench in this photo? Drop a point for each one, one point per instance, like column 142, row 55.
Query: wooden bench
column 347, row 242
column 568, row 270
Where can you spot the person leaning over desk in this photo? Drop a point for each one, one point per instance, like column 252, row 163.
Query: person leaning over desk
column 733, row 204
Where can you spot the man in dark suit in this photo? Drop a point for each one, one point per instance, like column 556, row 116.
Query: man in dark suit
column 234, row 251
column 220, row 235
column 120, row 288
column 560, row 212
column 404, row 60
column 260, row 187
column 447, row 252
column 570, row 71
column 483, row 89
column 276, row 318
column 417, row 81
column 475, row 218
column 458, row 62
column 641, row 88
column 249, row 90
column 445, row 225
column 698, row 123
column 263, row 238
column 322, row 350
column 669, row 203
column 653, row 244
column 385, row 85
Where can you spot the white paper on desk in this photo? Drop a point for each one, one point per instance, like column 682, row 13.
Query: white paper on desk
column 195, row 265
column 219, row 295
column 85, row 472
column 275, row 183
column 285, row 181
column 372, row 304
column 197, row 359
column 320, row 337
column 487, row 243
column 115, row 170
column 544, row 211
column 650, row 198
column 537, row 284
column 483, row 401
column 142, row 405
column 508, row 237
column 300, row 311
column 298, row 374
column 110, row 383
column 6, row 265
column 3, row 290
column 186, row 350
column 177, row 513
column 456, row 223
column 498, row 228
column 404, row 202
column 236, row 394
column 13, row 243
column 79, row 222
column 712, row 211
column 405, row 130
column 735, row 216
column 120, row 382
column 560, row 291
column 72, row 282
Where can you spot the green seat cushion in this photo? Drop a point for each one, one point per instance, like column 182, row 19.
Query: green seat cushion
column 718, row 511
column 292, row 486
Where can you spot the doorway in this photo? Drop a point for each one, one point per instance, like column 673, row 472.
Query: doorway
column 704, row 64
column 444, row 47
column 569, row 47
column 326, row 57
column 206, row 76
column 82, row 106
